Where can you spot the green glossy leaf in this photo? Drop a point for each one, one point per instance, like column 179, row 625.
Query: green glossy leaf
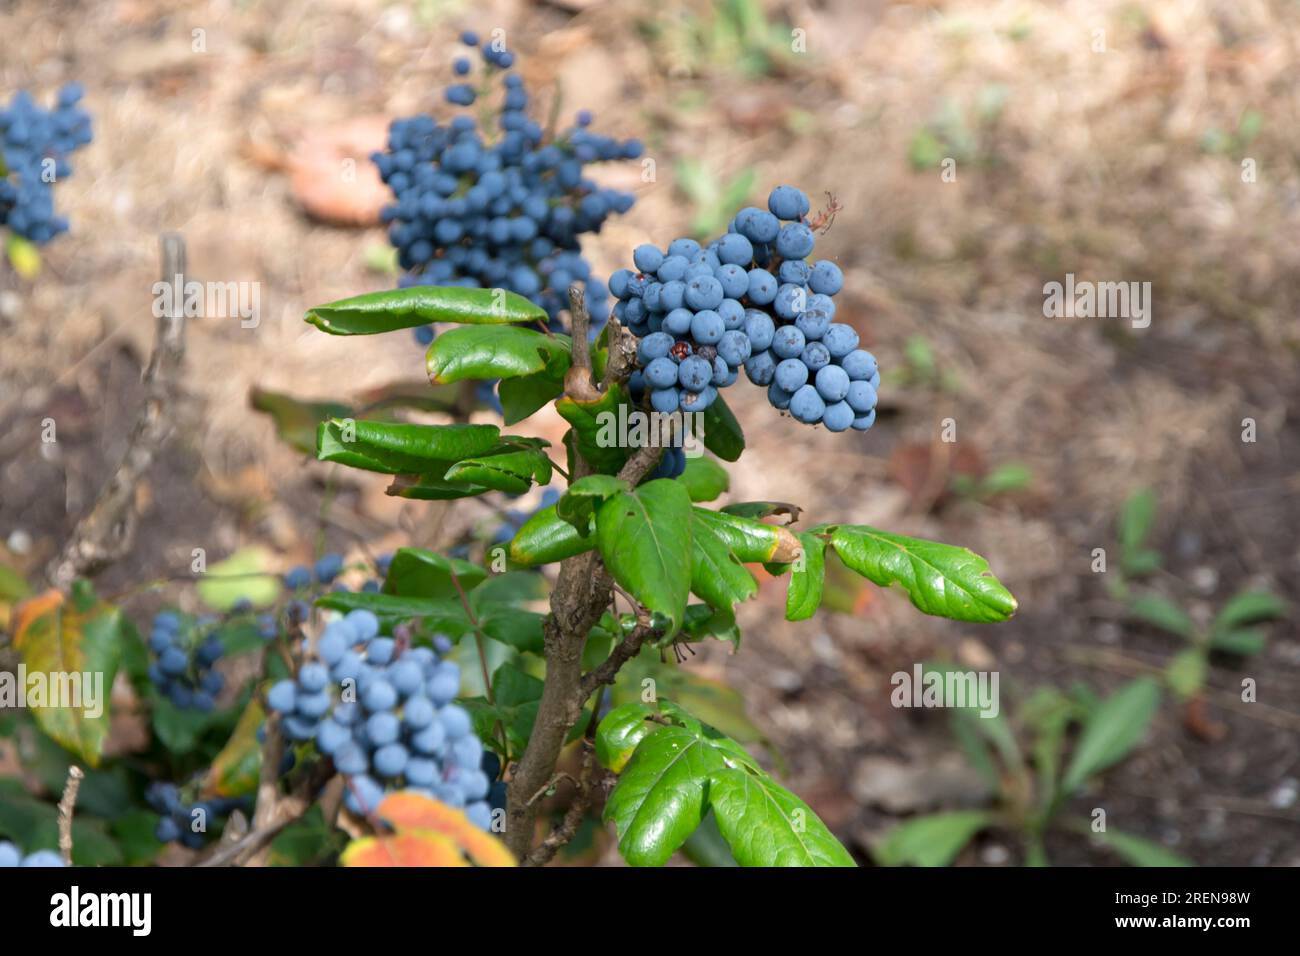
column 804, row 594
column 941, row 579
column 1111, row 731
column 432, row 488
column 1185, row 673
column 244, row 576
column 75, row 654
column 1250, row 607
column 767, row 825
column 493, row 351
column 620, row 731
column 1162, row 613
column 706, row 847
column 391, row 309
column 763, row 509
column 751, row 541
column 512, row 472
column 704, row 479
column 579, row 503
column 722, row 434
column 296, row 421
column 416, row 572
column 703, row 622
column 1139, row 851
column 661, row 796
column 644, row 537
column 522, row 396
column 546, row 537
column 933, row 840
column 397, row 448
column 603, row 433
column 717, row 576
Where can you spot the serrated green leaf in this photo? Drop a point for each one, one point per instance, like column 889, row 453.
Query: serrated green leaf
column 416, row 572
column 767, row 825
column 1163, row 613
column 704, row 479
column 717, row 576
column 722, row 433
column 661, row 795
column 391, row 309
column 804, row 594
column 397, row 448
column 77, row 654
column 933, row 840
column 493, row 351
column 1250, row 607
column 546, row 537
column 750, row 541
column 1111, row 731
column 941, row 579
column 644, row 537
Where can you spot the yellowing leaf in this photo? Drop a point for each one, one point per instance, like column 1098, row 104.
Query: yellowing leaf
column 71, row 658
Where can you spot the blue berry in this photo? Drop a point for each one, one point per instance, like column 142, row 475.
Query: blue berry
column 807, row 406
column 787, row 202
column 826, row 277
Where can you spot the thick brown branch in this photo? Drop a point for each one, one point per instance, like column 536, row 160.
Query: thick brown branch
column 567, row 828
column 106, row 532
column 607, row 670
column 581, row 594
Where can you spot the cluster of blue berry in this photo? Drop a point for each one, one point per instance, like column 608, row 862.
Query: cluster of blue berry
column 750, row 298
column 184, row 650
column 11, row 856
column 34, row 149
column 498, row 208
column 383, row 711
column 187, row 823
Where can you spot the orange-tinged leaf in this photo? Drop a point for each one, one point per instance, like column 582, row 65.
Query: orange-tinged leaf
column 412, row 811
column 405, row 848
column 234, row 770
column 70, row 658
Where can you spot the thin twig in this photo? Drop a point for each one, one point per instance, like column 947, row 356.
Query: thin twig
column 107, row 531
column 67, row 805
